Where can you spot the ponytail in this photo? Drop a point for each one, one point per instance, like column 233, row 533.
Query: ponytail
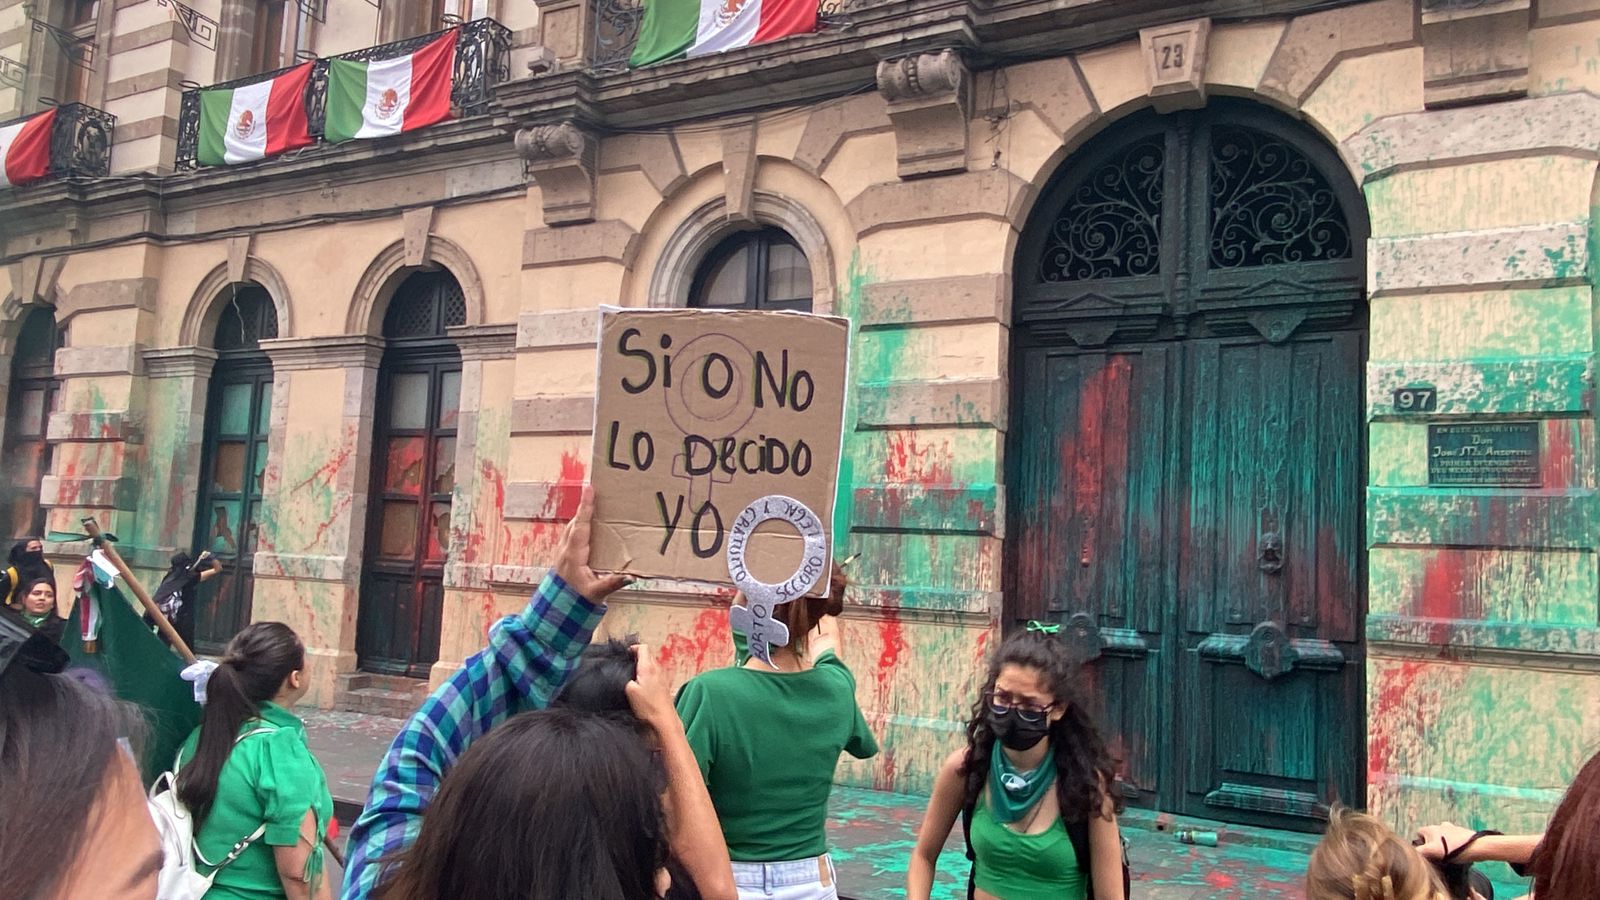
column 259, row 658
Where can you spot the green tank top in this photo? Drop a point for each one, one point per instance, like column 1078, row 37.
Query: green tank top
column 1015, row 866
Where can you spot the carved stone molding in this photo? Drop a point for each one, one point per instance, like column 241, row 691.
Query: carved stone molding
column 561, row 160
column 481, row 342
column 180, row 362
column 930, row 95
column 1474, row 53
column 335, row 352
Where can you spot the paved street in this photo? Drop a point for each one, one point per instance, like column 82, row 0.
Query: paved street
column 873, row 834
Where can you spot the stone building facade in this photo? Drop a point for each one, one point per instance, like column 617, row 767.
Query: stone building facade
column 1252, row 341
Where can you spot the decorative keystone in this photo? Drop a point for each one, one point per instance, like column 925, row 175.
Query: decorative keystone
column 561, row 160
column 1175, row 64
column 930, row 95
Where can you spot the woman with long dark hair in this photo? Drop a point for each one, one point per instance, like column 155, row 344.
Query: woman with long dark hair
column 551, row 805
column 1034, row 784
column 36, row 603
column 768, row 738
column 246, row 774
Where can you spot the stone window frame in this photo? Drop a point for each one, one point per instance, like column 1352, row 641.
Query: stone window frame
column 704, row 229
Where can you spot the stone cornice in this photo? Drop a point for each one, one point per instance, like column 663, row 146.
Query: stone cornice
column 480, row 342
column 180, row 362
column 793, row 72
column 343, row 351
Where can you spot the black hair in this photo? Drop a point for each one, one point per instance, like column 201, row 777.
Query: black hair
column 552, row 805
column 1085, row 772
column 26, row 586
column 259, row 658
column 20, row 548
column 600, row 685
column 58, row 743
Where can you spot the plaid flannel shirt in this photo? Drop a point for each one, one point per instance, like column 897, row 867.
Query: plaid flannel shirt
column 528, row 659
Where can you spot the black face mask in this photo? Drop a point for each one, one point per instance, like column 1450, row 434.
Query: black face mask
column 33, row 556
column 1016, row 734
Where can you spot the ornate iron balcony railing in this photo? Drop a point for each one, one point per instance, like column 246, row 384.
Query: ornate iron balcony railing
column 483, row 60
column 616, row 26
column 80, row 141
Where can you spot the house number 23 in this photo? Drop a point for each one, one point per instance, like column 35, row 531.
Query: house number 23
column 1169, row 56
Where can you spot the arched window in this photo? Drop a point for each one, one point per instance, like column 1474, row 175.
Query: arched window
column 234, row 460
column 32, row 398
column 761, row 269
column 413, row 477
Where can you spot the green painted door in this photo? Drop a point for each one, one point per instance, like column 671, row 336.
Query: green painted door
column 1187, row 461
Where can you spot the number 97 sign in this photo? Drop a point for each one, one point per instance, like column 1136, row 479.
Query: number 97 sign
column 1415, row 400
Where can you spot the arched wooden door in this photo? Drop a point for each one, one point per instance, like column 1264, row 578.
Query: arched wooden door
column 1188, row 456
column 413, row 478
column 234, row 462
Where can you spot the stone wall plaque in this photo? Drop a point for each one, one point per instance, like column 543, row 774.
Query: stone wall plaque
column 1499, row 454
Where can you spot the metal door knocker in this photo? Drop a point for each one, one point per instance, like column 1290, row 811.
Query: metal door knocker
column 755, row 618
column 1271, row 558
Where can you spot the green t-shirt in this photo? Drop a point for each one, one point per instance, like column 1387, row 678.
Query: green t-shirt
column 768, row 743
column 270, row 778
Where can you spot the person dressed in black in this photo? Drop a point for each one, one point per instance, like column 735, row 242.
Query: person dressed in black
column 176, row 596
column 26, row 564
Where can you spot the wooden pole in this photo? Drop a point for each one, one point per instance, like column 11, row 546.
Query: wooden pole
column 150, row 608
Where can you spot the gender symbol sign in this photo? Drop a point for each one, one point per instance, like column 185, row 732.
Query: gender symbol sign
column 716, row 450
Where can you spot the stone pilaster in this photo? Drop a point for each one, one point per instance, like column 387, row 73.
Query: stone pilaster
column 314, row 498
column 178, row 383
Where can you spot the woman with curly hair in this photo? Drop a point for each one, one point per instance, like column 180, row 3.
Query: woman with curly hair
column 1034, row 786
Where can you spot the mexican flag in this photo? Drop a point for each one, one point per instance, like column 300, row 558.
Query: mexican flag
column 134, row 664
column 377, row 99
column 244, row 124
column 25, row 149
column 676, row 28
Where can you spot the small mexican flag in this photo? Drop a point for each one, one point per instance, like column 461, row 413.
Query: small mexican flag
column 25, row 149
column 377, row 99
column 252, row 122
column 674, row 28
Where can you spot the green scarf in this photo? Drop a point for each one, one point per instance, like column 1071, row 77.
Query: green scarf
column 35, row 620
column 1013, row 793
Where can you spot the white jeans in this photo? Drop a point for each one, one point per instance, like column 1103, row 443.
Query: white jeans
column 801, row 879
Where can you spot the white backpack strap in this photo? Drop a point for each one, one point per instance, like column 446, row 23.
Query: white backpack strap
column 243, row 845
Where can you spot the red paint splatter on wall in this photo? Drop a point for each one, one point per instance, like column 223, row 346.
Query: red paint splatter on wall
column 1393, row 696
column 910, row 462
column 1559, row 469
column 1222, row 881
column 1445, row 586
column 707, row 643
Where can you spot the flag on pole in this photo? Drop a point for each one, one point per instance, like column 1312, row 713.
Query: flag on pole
column 25, row 149
column 389, row 96
column 136, row 666
column 255, row 121
column 678, row 28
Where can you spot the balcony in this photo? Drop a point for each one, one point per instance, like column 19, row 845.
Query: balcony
column 80, row 142
column 616, row 27
column 483, row 54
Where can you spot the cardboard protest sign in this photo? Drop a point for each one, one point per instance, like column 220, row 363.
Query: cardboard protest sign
column 698, row 415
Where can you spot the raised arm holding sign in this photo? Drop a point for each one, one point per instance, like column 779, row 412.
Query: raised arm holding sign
column 716, row 452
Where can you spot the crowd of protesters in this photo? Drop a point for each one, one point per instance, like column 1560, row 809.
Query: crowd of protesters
column 551, row 767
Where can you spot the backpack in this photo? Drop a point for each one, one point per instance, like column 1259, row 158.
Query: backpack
column 180, row 877
column 1077, row 832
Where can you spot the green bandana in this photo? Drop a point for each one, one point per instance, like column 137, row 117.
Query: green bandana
column 1013, row 793
column 35, row 620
